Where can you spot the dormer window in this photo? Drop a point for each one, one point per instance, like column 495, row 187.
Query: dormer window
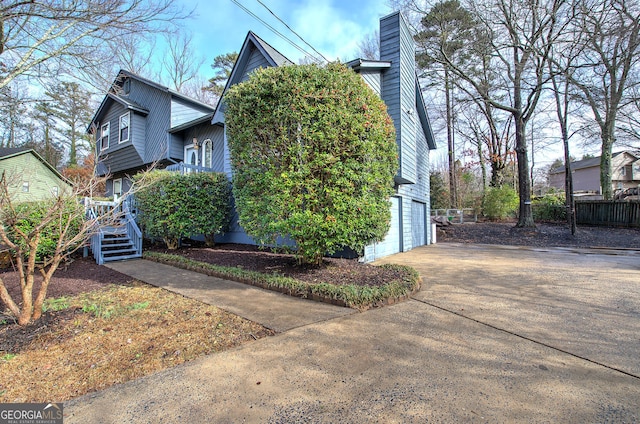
column 126, row 85
column 104, row 136
column 124, row 127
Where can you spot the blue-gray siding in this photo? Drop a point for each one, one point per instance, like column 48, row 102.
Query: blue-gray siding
column 398, row 89
column 158, row 103
column 256, row 60
column 119, row 156
column 183, row 111
column 202, row 132
column 373, row 79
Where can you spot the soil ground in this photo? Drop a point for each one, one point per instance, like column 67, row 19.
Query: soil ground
column 544, row 235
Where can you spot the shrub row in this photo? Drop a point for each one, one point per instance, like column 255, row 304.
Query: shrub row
column 172, row 206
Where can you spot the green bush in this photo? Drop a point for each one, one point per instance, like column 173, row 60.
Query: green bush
column 550, row 207
column 172, row 206
column 29, row 215
column 314, row 155
column 500, row 202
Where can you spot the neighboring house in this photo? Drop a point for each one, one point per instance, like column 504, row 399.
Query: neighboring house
column 625, row 173
column 29, row 177
column 200, row 142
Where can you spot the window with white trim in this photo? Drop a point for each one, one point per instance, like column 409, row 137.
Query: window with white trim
column 55, row 190
column 117, row 188
column 207, row 153
column 25, row 186
column 104, row 136
column 124, row 127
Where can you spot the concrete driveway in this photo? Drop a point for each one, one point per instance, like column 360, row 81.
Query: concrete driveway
column 495, row 335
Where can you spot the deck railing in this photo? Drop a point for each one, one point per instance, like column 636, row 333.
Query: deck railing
column 97, row 235
column 185, row 168
column 109, row 215
column 133, row 231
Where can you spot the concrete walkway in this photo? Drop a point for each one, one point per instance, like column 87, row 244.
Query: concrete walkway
column 274, row 310
column 496, row 335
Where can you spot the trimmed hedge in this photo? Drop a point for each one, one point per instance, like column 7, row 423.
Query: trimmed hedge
column 352, row 296
column 172, row 206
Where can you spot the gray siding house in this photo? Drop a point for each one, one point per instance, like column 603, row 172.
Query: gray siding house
column 196, row 137
column 138, row 124
column 625, row 174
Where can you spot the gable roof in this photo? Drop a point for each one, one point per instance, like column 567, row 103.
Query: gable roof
column 272, row 56
column 112, row 96
column 7, row 153
column 174, row 93
column 589, row 163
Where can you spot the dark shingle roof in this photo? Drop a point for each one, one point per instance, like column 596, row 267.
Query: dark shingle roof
column 9, row 151
column 585, row 163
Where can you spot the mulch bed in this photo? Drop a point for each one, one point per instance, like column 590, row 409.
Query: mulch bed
column 78, row 275
column 251, row 258
column 544, row 235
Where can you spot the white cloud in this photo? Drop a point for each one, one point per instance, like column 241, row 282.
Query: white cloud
column 336, row 29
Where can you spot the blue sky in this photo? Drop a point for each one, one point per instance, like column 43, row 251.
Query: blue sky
column 333, row 27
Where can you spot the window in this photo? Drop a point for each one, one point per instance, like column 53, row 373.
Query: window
column 117, row 188
column 124, row 128
column 126, row 86
column 55, row 191
column 25, row 186
column 104, row 136
column 207, row 153
column 623, row 171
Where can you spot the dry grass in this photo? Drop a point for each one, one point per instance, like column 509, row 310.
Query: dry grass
column 113, row 335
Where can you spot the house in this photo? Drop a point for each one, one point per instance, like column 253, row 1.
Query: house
column 138, row 124
column 29, row 176
column 625, row 174
column 195, row 140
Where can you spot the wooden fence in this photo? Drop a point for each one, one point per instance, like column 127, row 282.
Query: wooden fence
column 608, row 213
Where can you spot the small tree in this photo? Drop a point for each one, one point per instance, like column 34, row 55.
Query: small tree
column 41, row 235
column 314, row 155
column 172, row 206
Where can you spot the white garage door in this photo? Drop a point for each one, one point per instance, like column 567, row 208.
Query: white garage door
column 418, row 223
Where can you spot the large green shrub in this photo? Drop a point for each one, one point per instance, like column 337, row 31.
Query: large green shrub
column 314, row 155
column 25, row 217
column 500, row 202
column 550, row 207
column 172, row 206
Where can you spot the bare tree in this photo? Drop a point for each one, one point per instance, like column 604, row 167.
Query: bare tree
column 134, row 55
column 47, row 37
column 23, row 227
column 61, row 220
column 520, row 33
column 369, row 46
column 180, row 63
column 605, row 74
